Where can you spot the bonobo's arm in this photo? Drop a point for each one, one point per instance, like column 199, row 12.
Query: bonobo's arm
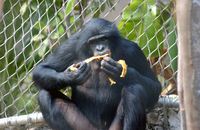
column 141, row 88
column 55, row 73
column 138, row 72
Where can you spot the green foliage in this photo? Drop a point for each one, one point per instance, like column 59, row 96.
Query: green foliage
column 140, row 23
column 173, row 48
column 69, row 6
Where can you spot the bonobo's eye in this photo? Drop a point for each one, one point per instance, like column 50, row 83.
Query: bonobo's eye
column 93, row 42
column 104, row 38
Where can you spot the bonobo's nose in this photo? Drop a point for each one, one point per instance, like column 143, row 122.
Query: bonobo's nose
column 100, row 48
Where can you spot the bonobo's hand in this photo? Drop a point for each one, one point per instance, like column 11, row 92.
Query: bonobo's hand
column 111, row 68
column 78, row 76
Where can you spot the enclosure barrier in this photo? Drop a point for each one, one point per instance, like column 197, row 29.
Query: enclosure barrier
column 21, row 120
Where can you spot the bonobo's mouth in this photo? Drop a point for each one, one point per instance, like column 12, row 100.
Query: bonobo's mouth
column 101, row 55
column 97, row 57
column 94, row 58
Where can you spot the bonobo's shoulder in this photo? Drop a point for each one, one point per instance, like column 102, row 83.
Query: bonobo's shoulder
column 69, row 43
column 129, row 43
column 73, row 39
column 131, row 48
column 68, row 46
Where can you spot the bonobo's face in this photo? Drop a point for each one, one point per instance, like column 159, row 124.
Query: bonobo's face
column 99, row 45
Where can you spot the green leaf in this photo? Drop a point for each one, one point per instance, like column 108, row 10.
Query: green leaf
column 97, row 13
column 110, row 4
column 23, row 8
column 140, row 24
column 54, row 36
column 77, row 8
column 43, row 48
column 69, row 6
column 173, row 49
column 39, row 25
column 38, row 37
column 33, row 6
column 61, row 30
column 103, row 7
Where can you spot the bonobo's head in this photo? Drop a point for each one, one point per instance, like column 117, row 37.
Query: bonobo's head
column 99, row 36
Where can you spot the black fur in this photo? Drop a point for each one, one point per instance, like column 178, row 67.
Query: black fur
column 96, row 104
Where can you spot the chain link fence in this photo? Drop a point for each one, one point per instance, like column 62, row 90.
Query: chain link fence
column 30, row 30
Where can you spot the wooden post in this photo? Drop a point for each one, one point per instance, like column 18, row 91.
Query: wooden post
column 1, row 7
column 188, row 17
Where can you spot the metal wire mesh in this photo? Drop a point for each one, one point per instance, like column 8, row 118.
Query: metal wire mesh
column 30, row 30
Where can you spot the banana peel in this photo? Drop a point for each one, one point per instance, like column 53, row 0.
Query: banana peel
column 121, row 62
column 91, row 59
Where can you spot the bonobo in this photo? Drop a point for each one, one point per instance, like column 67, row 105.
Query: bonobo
column 95, row 102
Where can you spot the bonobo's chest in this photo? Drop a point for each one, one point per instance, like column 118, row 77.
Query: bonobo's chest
column 97, row 99
column 97, row 90
column 98, row 104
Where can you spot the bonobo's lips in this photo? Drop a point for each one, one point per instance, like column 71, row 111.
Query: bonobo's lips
column 97, row 57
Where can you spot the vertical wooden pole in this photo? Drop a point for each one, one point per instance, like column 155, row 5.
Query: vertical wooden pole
column 183, row 38
column 188, row 13
column 195, row 55
column 1, row 7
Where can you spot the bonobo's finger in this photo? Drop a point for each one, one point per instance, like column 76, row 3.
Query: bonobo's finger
column 85, row 71
column 83, row 78
column 73, row 65
column 109, row 67
column 83, row 66
column 88, row 68
column 111, row 61
column 109, row 73
column 114, row 67
column 78, row 65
